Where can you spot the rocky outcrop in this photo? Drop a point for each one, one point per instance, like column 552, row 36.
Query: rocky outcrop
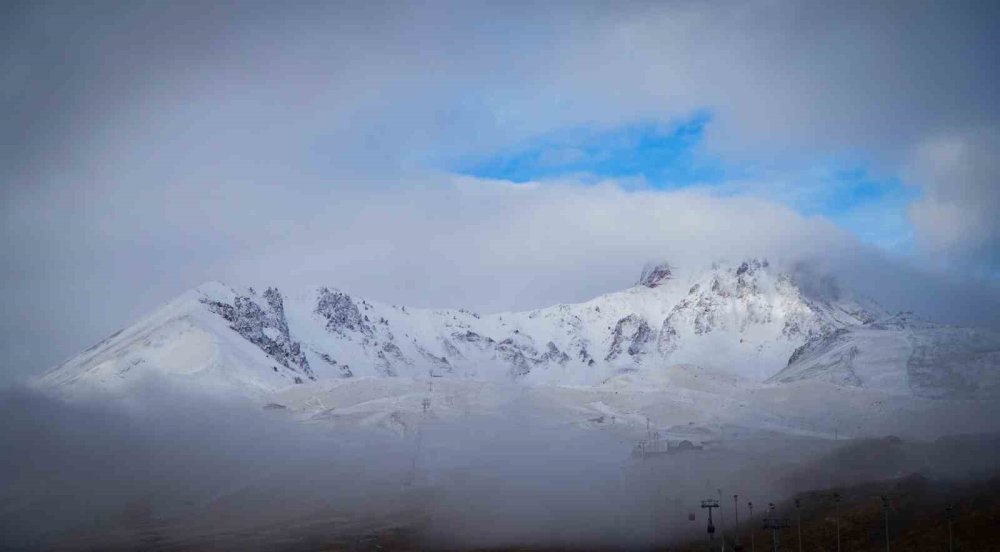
column 553, row 354
column 655, row 275
column 723, row 306
column 747, row 318
column 473, row 338
column 341, row 313
column 668, row 340
column 631, row 334
column 265, row 326
column 389, row 357
column 345, row 370
column 510, row 353
column 438, row 364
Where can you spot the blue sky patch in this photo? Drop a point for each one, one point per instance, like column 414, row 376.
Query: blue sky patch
column 666, row 156
column 873, row 208
column 671, row 156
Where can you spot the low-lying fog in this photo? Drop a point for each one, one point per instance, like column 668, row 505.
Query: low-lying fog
column 172, row 469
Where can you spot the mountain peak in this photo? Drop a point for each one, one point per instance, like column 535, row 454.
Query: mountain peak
column 750, row 265
column 741, row 316
column 655, row 274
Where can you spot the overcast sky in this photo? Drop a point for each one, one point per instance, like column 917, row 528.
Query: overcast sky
column 492, row 156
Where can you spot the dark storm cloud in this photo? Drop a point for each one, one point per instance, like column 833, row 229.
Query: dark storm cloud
column 147, row 147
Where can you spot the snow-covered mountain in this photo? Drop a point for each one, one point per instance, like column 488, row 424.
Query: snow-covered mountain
column 902, row 354
column 746, row 319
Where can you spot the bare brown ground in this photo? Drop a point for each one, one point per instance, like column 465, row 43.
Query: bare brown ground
column 917, row 519
column 917, row 522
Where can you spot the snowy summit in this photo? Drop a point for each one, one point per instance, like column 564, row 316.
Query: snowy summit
column 746, row 319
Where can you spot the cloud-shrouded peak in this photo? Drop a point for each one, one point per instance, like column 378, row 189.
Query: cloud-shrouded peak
column 129, row 170
column 654, row 274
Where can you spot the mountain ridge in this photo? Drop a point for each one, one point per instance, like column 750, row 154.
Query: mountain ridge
column 747, row 319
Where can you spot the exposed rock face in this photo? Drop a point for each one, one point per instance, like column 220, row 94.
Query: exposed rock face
column 438, row 364
column 473, row 338
column 450, row 349
column 722, row 305
column 667, row 341
column 520, row 352
column 632, row 331
column 748, row 319
column 553, row 354
column 515, row 357
column 739, row 299
column 345, row 370
column 389, row 355
column 902, row 355
column 265, row 326
column 340, row 312
column 654, row 275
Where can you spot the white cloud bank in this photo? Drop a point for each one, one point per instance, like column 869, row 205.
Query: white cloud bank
column 958, row 216
column 149, row 147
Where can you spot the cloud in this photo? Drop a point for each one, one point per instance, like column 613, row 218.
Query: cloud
column 153, row 146
column 178, row 469
column 958, row 216
column 492, row 245
column 782, row 78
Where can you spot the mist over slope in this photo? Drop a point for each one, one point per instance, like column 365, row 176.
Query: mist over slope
column 267, row 419
column 168, row 469
column 727, row 351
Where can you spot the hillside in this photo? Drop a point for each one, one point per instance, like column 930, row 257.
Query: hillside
column 749, row 320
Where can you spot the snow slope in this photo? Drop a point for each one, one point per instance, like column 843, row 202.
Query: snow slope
column 183, row 342
column 681, row 402
column 903, row 355
column 747, row 320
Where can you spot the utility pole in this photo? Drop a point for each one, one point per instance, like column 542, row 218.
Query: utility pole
column 836, row 503
column 774, row 535
column 710, row 504
column 885, row 509
column 798, row 514
column 722, row 522
column 736, row 511
column 951, row 515
column 775, row 525
column 750, row 505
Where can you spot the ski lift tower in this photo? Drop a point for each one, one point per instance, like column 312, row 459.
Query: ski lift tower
column 798, row 521
column 722, row 523
column 710, row 504
column 950, row 513
column 775, row 524
column 885, row 511
column 737, row 546
column 836, row 504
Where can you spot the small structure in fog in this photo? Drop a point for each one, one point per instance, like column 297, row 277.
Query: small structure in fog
column 662, row 447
